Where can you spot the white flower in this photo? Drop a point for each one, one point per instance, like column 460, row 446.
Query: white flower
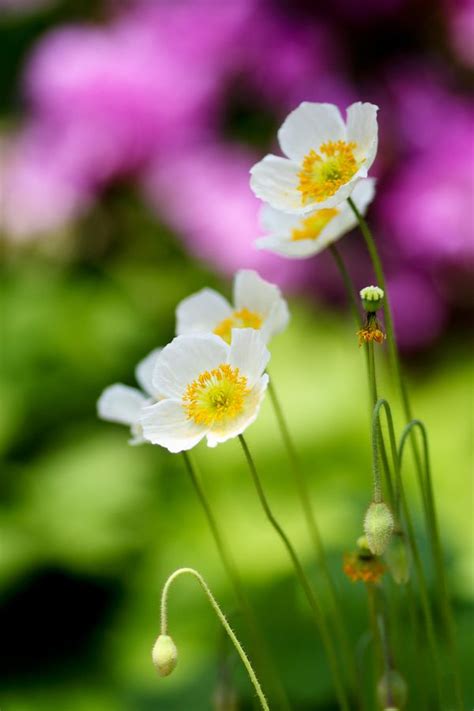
column 299, row 236
column 257, row 304
column 120, row 403
column 209, row 389
column 325, row 157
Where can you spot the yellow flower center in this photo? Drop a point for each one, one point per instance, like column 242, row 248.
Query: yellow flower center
column 323, row 173
column 216, row 395
column 312, row 226
column 239, row 319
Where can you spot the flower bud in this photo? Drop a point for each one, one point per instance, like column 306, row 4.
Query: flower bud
column 378, row 527
column 398, row 559
column 392, row 691
column 372, row 298
column 164, row 655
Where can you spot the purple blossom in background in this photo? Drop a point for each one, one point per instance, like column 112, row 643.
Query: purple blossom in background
column 460, row 24
column 214, row 210
column 148, row 96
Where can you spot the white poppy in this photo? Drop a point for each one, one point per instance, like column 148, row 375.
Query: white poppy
column 325, row 157
column 257, row 304
column 209, row 389
column 123, row 404
column 299, row 236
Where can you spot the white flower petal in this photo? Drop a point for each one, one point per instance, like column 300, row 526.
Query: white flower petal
column 363, row 129
column 308, row 126
column 248, row 353
column 201, row 312
column 180, row 362
column 274, row 221
column 223, row 431
column 254, row 293
column 144, row 371
column 119, row 403
column 275, row 180
column 166, row 424
column 286, row 247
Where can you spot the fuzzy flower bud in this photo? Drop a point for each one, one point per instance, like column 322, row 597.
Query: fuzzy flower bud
column 372, row 298
column 398, row 560
column 164, row 655
column 378, row 527
column 392, row 691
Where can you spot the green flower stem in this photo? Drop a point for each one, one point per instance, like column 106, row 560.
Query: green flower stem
column 316, row 610
column 348, row 284
column 222, row 619
column 392, row 343
column 426, row 485
column 305, row 500
column 375, row 632
column 368, row 349
column 377, row 439
column 258, row 643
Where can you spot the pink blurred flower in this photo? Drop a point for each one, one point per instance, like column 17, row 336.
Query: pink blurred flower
column 460, row 22
column 204, row 195
column 418, row 309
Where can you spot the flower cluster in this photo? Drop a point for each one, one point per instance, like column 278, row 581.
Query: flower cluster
column 210, row 380
column 327, row 162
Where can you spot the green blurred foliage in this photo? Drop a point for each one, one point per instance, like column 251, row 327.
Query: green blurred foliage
column 91, row 527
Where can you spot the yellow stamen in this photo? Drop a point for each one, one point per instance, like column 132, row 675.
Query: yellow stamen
column 323, row 173
column 312, row 226
column 216, row 395
column 239, row 319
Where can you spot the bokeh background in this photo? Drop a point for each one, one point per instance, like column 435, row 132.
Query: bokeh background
column 127, row 132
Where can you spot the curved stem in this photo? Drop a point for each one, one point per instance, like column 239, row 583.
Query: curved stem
column 305, row 499
column 401, row 504
column 426, row 486
column 222, row 619
column 261, row 654
column 376, row 427
column 318, row 615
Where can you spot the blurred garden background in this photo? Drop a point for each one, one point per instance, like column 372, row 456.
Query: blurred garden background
column 127, row 132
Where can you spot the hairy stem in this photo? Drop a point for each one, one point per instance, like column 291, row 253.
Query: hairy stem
column 222, row 619
column 258, row 643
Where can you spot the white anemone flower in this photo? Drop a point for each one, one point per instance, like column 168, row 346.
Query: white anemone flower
column 325, row 157
column 257, row 304
column 300, row 236
column 209, row 389
column 123, row 404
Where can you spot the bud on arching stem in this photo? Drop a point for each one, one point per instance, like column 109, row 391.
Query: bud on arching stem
column 378, row 527
column 164, row 655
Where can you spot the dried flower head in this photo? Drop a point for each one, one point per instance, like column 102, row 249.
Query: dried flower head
column 362, row 564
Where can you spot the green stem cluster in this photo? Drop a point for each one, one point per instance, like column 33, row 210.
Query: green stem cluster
column 318, row 615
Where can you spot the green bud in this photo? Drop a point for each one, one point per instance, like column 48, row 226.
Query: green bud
column 378, row 527
column 164, row 655
column 372, row 298
column 398, row 560
column 392, row 691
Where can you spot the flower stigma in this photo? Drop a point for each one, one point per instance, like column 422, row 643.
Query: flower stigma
column 216, row 395
column 312, row 226
column 323, row 173
column 243, row 318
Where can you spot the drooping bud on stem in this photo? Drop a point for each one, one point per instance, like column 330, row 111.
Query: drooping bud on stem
column 164, row 655
column 392, row 691
column 378, row 527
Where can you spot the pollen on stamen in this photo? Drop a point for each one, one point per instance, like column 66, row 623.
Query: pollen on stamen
column 216, row 395
column 324, row 172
